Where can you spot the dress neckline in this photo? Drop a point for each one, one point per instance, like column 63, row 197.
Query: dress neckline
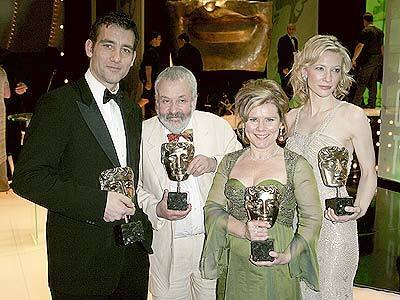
column 262, row 182
column 321, row 126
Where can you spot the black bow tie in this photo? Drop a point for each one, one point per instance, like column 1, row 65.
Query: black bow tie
column 110, row 96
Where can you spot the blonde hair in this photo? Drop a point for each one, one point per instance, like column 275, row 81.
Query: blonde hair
column 255, row 93
column 314, row 48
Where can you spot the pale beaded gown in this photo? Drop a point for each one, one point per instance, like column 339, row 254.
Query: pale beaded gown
column 337, row 250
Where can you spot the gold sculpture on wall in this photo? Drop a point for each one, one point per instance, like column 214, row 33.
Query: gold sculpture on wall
column 231, row 35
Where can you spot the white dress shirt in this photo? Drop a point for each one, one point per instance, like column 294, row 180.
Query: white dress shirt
column 193, row 223
column 112, row 116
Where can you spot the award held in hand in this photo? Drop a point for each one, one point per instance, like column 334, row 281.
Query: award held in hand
column 332, row 162
column 120, row 180
column 262, row 203
column 176, row 157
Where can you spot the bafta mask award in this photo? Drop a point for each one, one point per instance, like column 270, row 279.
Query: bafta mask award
column 262, row 203
column 120, row 180
column 176, row 157
column 332, row 162
column 225, row 32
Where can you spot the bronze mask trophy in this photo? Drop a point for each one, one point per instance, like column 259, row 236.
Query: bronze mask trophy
column 176, row 157
column 262, row 203
column 332, row 162
column 225, row 32
column 121, row 180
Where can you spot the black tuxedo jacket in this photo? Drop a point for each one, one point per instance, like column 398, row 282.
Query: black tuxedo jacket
column 66, row 148
column 285, row 52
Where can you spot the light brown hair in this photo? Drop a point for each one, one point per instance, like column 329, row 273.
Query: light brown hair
column 255, row 93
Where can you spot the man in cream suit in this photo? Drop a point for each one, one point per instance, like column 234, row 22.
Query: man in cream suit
column 179, row 235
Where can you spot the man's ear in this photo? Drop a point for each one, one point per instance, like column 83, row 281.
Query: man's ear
column 89, row 48
column 133, row 58
column 194, row 103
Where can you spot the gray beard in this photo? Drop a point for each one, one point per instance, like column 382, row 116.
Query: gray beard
column 175, row 128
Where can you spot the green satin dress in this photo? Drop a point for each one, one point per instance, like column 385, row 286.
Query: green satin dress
column 226, row 257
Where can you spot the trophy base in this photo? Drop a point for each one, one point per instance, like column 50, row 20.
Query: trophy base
column 177, row 201
column 129, row 233
column 260, row 250
column 338, row 205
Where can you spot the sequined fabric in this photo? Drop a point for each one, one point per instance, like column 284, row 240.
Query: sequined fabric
column 338, row 246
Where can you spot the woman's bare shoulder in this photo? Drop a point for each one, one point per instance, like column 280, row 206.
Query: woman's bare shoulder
column 350, row 112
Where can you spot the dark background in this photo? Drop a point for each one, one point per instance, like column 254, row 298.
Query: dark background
column 341, row 18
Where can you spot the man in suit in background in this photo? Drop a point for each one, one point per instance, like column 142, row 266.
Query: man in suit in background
column 287, row 46
column 179, row 235
column 77, row 132
column 368, row 61
column 189, row 56
column 17, row 103
column 150, row 67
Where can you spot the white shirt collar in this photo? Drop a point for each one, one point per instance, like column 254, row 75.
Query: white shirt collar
column 96, row 87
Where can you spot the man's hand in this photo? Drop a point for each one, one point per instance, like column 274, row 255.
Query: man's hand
column 285, row 71
column 163, row 212
column 201, row 164
column 20, row 88
column 147, row 85
column 117, row 207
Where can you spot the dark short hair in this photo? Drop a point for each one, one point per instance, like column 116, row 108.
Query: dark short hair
column 368, row 17
column 184, row 36
column 154, row 35
column 118, row 18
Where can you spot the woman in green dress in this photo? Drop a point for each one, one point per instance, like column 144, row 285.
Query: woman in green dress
column 261, row 105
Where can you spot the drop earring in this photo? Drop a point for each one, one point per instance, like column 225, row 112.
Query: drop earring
column 243, row 136
column 281, row 139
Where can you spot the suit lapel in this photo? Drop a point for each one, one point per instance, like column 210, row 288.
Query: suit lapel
column 131, row 130
column 199, row 134
column 201, row 145
column 155, row 139
column 94, row 120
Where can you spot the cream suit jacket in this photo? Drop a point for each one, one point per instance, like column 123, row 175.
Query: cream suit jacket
column 213, row 137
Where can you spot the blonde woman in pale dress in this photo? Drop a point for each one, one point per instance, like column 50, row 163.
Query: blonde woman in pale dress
column 320, row 80
column 4, row 93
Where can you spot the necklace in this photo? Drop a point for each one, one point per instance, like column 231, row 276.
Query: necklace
column 267, row 157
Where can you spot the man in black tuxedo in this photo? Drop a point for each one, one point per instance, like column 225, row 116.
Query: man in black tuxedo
column 74, row 135
column 287, row 46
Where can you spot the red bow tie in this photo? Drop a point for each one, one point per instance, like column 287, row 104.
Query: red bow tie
column 187, row 134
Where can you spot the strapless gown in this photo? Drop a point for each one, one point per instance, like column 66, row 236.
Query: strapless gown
column 227, row 256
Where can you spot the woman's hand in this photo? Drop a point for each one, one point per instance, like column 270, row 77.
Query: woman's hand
column 280, row 259
column 331, row 216
column 256, row 230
